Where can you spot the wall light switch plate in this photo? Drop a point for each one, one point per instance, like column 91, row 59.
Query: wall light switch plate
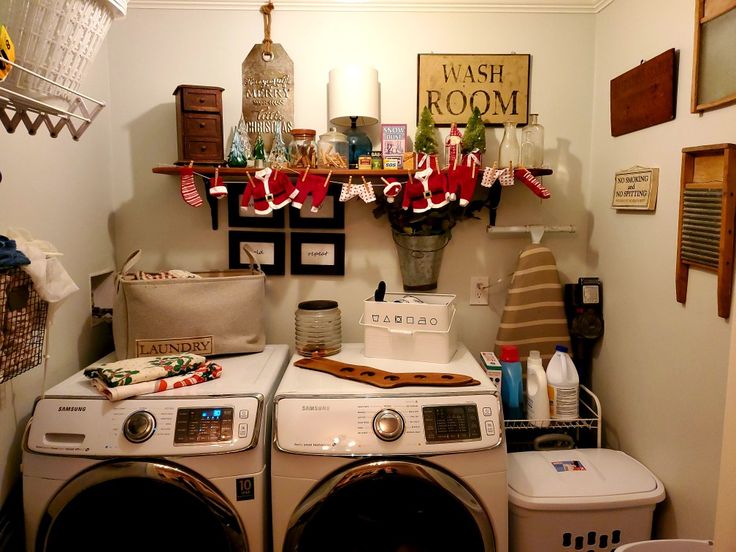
column 479, row 290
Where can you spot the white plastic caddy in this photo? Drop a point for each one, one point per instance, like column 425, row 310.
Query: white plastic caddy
column 423, row 330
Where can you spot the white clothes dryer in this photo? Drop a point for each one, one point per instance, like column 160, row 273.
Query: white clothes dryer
column 358, row 468
column 184, row 469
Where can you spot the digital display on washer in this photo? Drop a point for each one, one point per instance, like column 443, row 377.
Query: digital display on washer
column 451, row 423
column 203, row 425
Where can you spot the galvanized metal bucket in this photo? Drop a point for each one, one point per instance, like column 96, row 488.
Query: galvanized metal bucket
column 420, row 258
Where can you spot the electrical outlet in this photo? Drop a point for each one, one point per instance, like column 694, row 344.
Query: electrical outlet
column 479, row 290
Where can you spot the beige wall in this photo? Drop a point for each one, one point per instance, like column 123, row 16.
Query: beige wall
column 662, row 366
column 660, row 370
column 59, row 190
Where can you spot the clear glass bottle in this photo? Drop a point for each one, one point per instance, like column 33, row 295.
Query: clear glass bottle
column 508, row 151
column 318, row 328
column 303, row 149
column 532, row 143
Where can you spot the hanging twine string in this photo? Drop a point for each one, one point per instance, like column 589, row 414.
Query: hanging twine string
column 266, row 10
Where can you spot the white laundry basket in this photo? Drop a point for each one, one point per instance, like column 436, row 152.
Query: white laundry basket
column 584, row 499
column 668, row 545
column 57, row 39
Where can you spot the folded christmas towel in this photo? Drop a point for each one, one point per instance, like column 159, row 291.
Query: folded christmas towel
column 205, row 372
column 136, row 370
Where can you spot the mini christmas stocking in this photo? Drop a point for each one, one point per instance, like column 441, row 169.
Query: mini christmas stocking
column 188, row 189
column 531, row 182
column 217, row 186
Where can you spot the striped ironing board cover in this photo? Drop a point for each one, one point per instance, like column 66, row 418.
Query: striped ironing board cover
column 534, row 315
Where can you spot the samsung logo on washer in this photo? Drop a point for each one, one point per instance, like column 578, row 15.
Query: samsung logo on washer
column 72, row 408
column 314, row 407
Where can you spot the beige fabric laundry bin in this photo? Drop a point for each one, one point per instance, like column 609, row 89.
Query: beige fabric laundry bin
column 581, row 499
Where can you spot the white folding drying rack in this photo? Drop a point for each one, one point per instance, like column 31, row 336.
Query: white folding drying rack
column 16, row 108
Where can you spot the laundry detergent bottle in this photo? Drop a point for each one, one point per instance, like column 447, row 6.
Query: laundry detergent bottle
column 512, row 393
column 563, row 385
column 537, row 398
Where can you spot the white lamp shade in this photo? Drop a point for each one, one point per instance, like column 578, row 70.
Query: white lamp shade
column 353, row 92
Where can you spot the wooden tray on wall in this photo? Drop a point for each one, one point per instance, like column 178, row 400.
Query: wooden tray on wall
column 645, row 95
column 705, row 237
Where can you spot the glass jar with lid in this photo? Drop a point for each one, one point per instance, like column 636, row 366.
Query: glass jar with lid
column 303, row 149
column 332, row 150
column 318, row 328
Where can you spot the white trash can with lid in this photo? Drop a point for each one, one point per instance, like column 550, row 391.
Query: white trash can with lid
column 581, row 499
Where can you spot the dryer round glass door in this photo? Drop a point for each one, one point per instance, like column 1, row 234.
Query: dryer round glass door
column 139, row 505
column 390, row 506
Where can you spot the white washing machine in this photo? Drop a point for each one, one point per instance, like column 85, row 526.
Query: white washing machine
column 358, row 468
column 184, row 469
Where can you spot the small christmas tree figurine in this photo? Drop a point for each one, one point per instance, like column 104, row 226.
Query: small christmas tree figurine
column 247, row 149
column 453, row 145
column 237, row 155
column 259, row 153
column 425, row 142
column 278, row 157
column 474, row 138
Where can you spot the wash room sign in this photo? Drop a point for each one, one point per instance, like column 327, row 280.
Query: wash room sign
column 451, row 85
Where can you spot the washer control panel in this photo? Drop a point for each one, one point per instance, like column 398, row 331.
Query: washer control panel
column 150, row 427
column 352, row 425
column 203, row 425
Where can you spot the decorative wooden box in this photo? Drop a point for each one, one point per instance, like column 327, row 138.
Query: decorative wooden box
column 199, row 124
column 706, row 231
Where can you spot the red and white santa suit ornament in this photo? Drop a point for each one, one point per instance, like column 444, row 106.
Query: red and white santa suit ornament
column 427, row 190
column 460, row 184
column 269, row 190
column 427, row 160
column 310, row 184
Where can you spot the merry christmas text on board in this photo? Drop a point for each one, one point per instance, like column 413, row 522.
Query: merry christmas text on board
column 451, row 85
column 268, row 92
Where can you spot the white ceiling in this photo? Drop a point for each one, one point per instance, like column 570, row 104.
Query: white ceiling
column 507, row 6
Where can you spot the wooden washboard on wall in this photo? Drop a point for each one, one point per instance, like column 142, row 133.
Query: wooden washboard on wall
column 705, row 237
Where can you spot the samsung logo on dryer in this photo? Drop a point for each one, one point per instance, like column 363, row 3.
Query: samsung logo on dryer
column 72, row 408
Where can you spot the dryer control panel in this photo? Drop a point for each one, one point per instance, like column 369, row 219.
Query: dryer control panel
column 387, row 425
column 148, row 427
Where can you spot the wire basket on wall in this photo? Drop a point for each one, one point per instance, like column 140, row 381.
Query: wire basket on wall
column 23, row 317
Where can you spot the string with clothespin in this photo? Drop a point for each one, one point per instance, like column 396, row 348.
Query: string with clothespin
column 266, row 10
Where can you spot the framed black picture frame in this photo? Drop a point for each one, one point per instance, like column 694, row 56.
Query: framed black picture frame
column 249, row 219
column 269, row 249
column 331, row 214
column 315, row 253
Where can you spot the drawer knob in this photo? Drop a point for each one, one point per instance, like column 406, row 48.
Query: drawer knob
column 201, row 125
column 201, row 100
column 203, row 148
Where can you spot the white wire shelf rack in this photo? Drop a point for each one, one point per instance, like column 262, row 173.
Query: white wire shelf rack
column 590, row 418
column 17, row 108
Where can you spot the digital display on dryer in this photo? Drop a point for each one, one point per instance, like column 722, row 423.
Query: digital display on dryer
column 203, row 425
column 451, row 423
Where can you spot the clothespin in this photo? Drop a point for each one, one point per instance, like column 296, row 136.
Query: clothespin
column 350, row 182
column 304, row 176
column 327, row 180
column 365, row 183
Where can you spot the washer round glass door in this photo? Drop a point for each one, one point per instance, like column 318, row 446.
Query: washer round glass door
column 390, row 506
column 139, row 505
